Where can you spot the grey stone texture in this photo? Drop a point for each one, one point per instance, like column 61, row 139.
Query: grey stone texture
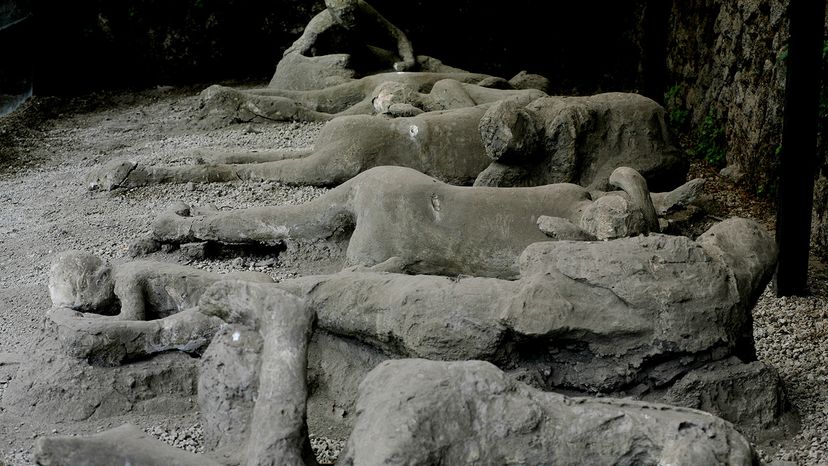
column 625, row 301
column 439, row 89
column 727, row 61
column 660, row 307
column 81, row 281
column 301, row 73
column 524, row 80
column 557, row 228
column 227, row 387
column 361, row 39
column 426, row 412
column 104, row 341
column 628, row 317
column 415, row 411
column 137, row 290
column 297, row 72
column 757, row 407
column 55, row 386
column 252, row 390
column 127, row 445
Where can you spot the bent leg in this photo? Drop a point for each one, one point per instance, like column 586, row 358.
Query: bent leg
column 253, row 156
column 224, row 105
column 321, row 168
column 329, row 100
column 126, row 174
column 144, row 176
column 322, row 218
column 278, row 428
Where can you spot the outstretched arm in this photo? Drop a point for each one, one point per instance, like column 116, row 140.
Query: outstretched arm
column 404, row 47
column 317, row 25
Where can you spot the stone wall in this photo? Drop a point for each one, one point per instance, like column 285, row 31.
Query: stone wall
column 725, row 87
column 820, row 227
column 726, row 80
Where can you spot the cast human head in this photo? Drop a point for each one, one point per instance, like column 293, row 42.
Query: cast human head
column 81, row 281
column 391, row 92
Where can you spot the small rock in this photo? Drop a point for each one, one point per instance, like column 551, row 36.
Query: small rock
column 732, row 172
column 266, row 263
column 181, row 208
column 143, row 247
column 195, row 251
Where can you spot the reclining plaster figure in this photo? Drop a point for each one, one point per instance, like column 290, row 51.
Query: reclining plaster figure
column 627, row 316
column 331, row 70
column 399, row 219
column 578, row 312
column 452, row 412
column 599, row 293
column 470, row 412
column 109, row 314
column 422, row 92
column 496, row 144
column 579, row 140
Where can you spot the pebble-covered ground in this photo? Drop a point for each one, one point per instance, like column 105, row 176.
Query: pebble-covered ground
column 48, row 148
column 791, row 335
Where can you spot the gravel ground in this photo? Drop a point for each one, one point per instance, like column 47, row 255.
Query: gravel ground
column 46, row 151
column 790, row 335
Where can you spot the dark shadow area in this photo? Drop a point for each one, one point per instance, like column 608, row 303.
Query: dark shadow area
column 85, row 45
column 15, row 58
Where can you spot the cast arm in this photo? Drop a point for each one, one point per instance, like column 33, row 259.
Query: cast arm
column 404, row 47
column 316, row 26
